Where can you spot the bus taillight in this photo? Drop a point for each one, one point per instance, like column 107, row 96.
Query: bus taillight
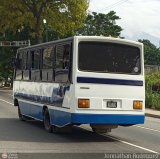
column 137, row 104
column 83, row 103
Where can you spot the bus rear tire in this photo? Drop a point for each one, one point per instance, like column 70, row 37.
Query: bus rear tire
column 21, row 117
column 47, row 124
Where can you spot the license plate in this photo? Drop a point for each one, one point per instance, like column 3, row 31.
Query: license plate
column 111, row 104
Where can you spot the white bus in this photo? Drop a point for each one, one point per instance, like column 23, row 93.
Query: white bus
column 81, row 80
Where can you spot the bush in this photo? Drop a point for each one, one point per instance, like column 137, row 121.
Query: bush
column 153, row 91
column 149, row 98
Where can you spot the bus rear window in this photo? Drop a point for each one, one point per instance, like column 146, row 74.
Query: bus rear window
column 109, row 58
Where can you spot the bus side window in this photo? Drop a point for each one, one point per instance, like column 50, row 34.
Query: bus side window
column 62, row 63
column 25, row 67
column 66, row 57
column 47, row 64
column 18, row 73
column 35, row 65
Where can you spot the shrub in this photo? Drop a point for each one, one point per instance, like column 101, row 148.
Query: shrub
column 153, row 91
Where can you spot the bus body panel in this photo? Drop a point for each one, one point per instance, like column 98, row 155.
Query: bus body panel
column 47, row 93
column 99, row 94
column 34, row 110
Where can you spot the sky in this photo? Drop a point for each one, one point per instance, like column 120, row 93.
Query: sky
column 138, row 17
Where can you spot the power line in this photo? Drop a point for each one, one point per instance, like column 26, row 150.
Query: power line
column 113, row 5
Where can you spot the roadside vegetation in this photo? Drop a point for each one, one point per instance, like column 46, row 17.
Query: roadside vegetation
column 153, row 91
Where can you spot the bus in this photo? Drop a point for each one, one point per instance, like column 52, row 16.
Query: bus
column 91, row 80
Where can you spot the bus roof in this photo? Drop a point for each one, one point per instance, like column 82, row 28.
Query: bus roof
column 94, row 38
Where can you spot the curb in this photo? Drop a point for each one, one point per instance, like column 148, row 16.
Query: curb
column 152, row 115
column 5, row 88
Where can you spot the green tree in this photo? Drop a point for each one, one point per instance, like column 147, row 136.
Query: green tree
column 101, row 24
column 64, row 17
column 6, row 70
column 7, row 53
column 151, row 53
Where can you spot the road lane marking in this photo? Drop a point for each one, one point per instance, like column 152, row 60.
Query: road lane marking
column 147, row 128
column 125, row 142
column 6, row 102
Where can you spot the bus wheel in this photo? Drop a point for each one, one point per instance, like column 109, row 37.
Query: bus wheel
column 47, row 124
column 21, row 117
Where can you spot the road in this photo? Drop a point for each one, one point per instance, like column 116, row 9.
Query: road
column 30, row 138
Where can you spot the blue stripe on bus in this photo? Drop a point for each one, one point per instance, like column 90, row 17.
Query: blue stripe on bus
column 109, row 81
column 61, row 118
column 107, row 119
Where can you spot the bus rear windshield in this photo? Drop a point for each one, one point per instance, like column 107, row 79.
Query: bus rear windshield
column 109, row 58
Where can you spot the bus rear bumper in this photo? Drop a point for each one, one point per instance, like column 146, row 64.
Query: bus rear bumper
column 119, row 119
column 60, row 118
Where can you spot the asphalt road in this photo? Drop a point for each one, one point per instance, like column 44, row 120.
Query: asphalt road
column 29, row 139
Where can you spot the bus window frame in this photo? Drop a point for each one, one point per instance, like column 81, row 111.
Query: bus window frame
column 35, row 72
column 70, row 62
column 48, row 69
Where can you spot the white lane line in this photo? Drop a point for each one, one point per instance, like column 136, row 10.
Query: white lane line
column 147, row 128
column 125, row 142
column 6, row 102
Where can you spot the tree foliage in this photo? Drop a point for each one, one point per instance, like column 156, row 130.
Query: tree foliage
column 64, row 17
column 151, row 53
column 101, row 24
column 6, row 70
column 7, row 53
column 152, row 82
